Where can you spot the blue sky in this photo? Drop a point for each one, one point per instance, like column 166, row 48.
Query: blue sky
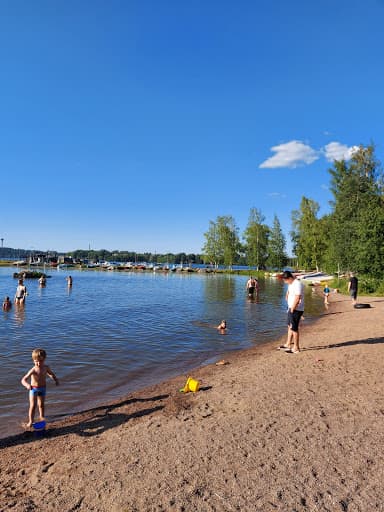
column 130, row 124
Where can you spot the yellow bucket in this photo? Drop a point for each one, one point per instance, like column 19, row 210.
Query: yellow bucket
column 191, row 385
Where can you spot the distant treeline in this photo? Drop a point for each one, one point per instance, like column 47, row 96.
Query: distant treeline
column 16, row 254
column 136, row 257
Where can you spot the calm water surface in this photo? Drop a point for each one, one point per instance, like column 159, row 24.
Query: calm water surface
column 116, row 332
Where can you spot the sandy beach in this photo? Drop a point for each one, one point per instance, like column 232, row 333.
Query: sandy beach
column 269, row 431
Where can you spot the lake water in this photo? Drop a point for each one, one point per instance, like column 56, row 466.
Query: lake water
column 114, row 332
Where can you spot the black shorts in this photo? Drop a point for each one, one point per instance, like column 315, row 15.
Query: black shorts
column 251, row 290
column 353, row 294
column 293, row 319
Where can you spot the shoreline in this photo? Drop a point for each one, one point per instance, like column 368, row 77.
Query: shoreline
column 96, row 404
column 268, row 431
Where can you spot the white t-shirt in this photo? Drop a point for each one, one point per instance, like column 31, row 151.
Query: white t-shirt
column 296, row 288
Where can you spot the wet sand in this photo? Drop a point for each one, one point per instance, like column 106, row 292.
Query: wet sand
column 269, row 431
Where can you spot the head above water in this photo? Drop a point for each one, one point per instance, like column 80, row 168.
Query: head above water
column 39, row 354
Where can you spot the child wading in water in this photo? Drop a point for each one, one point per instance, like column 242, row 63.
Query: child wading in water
column 37, row 387
column 7, row 304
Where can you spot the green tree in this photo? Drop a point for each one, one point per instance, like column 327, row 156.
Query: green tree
column 277, row 256
column 357, row 232
column 256, row 239
column 307, row 235
column 222, row 241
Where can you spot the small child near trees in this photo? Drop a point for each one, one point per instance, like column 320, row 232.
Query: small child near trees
column 326, row 293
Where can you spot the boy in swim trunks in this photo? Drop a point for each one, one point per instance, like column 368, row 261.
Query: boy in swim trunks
column 326, row 293
column 37, row 387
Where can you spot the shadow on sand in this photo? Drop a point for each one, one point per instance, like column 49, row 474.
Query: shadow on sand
column 101, row 420
column 368, row 341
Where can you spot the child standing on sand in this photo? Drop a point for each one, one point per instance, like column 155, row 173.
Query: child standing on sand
column 37, row 387
column 326, row 293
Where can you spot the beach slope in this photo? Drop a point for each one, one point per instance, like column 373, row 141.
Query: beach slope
column 269, row 431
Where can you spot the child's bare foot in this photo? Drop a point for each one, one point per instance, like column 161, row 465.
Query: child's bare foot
column 26, row 425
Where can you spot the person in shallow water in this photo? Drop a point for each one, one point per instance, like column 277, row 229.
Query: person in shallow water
column 37, row 387
column 222, row 326
column 69, row 281
column 252, row 285
column 21, row 292
column 7, row 304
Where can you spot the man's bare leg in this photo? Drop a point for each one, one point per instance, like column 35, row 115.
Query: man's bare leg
column 296, row 337
column 289, row 338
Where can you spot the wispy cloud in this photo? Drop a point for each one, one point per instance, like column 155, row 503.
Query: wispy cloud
column 277, row 195
column 337, row 151
column 290, row 154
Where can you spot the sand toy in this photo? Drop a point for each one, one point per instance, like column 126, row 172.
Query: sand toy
column 191, row 385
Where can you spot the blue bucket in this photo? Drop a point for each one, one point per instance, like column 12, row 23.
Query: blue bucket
column 39, row 428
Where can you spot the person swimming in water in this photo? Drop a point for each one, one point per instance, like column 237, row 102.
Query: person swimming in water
column 222, row 326
column 7, row 304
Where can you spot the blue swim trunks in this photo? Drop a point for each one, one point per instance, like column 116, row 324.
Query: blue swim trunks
column 38, row 391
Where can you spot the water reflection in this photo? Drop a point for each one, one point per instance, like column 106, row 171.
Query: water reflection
column 19, row 310
column 222, row 288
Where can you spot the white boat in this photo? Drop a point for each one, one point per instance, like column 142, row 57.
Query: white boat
column 315, row 277
column 20, row 263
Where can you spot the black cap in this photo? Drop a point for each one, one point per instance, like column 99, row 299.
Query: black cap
column 287, row 274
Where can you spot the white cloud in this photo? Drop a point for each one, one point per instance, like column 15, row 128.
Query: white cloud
column 290, row 154
column 337, row 151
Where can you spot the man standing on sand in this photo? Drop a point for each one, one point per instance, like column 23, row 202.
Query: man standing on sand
column 352, row 288
column 295, row 300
